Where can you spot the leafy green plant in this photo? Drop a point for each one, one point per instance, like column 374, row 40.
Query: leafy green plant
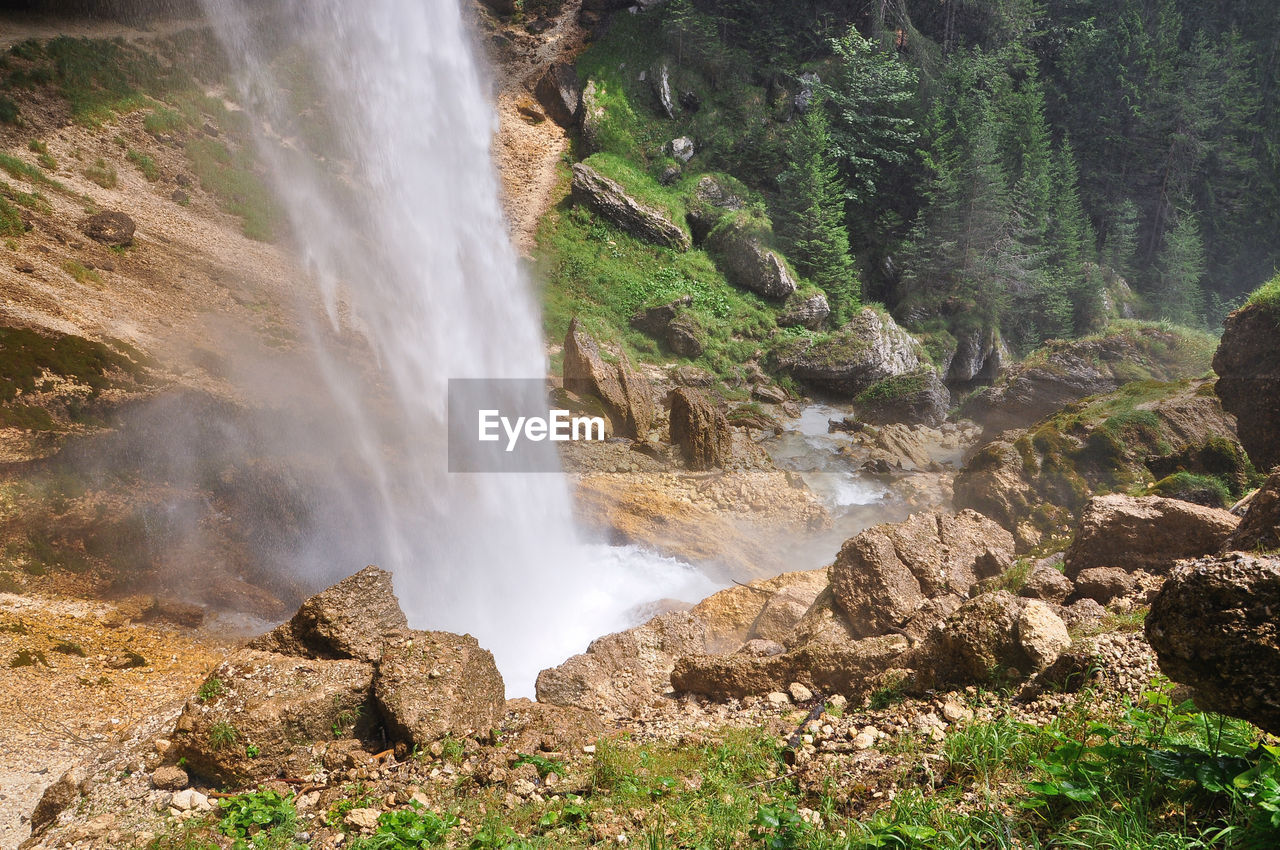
column 69, row 647
column 408, row 829
column 211, row 689
column 146, row 164
column 779, row 826
column 258, row 813
column 355, row 796
column 252, row 751
column 542, row 764
column 223, row 735
column 28, row 658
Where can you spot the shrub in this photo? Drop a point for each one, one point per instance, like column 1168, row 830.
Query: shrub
column 103, row 173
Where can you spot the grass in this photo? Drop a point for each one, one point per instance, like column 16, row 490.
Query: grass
column 11, row 221
column 893, row 388
column 1201, row 489
column 82, row 273
column 9, row 112
column 163, row 120
column 211, row 689
column 22, row 170
column 232, row 178
column 26, row 355
column 103, row 173
column 223, row 735
column 1267, row 297
column 146, row 164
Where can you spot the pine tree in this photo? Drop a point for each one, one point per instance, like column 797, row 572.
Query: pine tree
column 811, row 215
column 1181, row 268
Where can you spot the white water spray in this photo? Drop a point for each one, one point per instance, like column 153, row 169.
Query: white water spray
column 409, row 247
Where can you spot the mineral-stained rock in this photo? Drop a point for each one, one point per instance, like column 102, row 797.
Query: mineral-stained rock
column 432, row 684
column 869, row 349
column 610, row 200
column 621, row 672
column 279, row 705
column 348, row 620
column 885, row 575
column 1147, row 533
column 112, row 228
column 56, row 798
column 560, row 93
column 1260, row 528
column 1248, row 365
column 1214, row 626
column 699, row 429
column 626, row 394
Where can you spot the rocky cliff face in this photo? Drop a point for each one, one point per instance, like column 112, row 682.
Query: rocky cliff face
column 1248, row 366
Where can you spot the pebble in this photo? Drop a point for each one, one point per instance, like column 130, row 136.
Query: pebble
column 190, row 800
column 778, row 698
column 362, row 819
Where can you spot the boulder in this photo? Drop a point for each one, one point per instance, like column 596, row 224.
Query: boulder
column 1066, row 371
column 112, row 228
column 592, row 115
column 917, row 398
column 1145, row 533
column 806, row 92
column 1260, row 528
column 991, row 638
column 699, row 429
column 737, row 613
column 685, row 336
column 838, row 667
column 432, row 684
column 662, row 90
column 886, row 574
column 56, row 798
column 608, row 199
column 681, row 148
column 348, row 620
column 978, row 356
column 1248, row 366
column 653, row 321
column 277, row 704
column 1047, row 584
column 1214, row 627
column 560, row 93
column 867, row 350
column 1103, row 584
column 809, row 312
column 623, row 672
column 170, row 777
column 626, row 394
column 748, row 263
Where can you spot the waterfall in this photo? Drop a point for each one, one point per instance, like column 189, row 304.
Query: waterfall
column 393, row 207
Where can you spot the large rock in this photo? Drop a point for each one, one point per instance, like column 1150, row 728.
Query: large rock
column 1036, row 483
column 1260, row 528
column 1145, row 533
column 349, row 620
column 275, row 707
column 432, row 684
column 56, row 798
column 699, row 429
column 884, row 576
column 112, row 228
column 993, row 638
column 1066, row 371
column 1214, row 626
column 1248, row 367
column 610, row 200
column 809, row 312
column 626, row 394
column 623, row 672
column 1103, row 584
column 978, row 357
column 560, row 93
column 748, row 263
column 1048, row 584
column 918, row 398
column 765, row 609
column 826, row 668
column 869, row 349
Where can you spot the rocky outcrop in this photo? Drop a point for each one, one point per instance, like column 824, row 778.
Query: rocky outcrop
column 713, row 196
column 748, row 263
column 1104, row 584
column 608, row 199
column 870, row 349
column 560, row 93
column 992, row 638
column 917, row 398
column 1145, row 533
column 699, row 429
column 883, row 577
column 1037, row 482
column 979, row 356
column 273, row 706
column 671, row 324
column 112, row 228
column 1248, row 367
column 433, row 684
column 1260, row 528
column 349, row 620
column 1067, row 371
column 626, row 394
column 762, row 609
column 810, row 312
column 622, row 672
column 1214, row 627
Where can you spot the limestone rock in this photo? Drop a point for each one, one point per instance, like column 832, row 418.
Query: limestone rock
column 610, row 200
column 1042, row 634
column 1147, row 533
column 56, row 798
column 1214, row 626
column 1260, row 528
column 1103, row 584
column 869, row 349
column 621, row 672
column 112, row 228
column 750, row 264
column 348, row 620
column 994, row 636
column 662, row 88
column 1248, row 365
column 560, row 93
column 809, row 312
column 432, row 684
column 699, row 429
column 280, row 705
column 1047, row 584
column 681, row 148
column 918, row 398
column 170, row 778
column 978, row 357
column 885, row 575
column 626, row 394
column 738, row 613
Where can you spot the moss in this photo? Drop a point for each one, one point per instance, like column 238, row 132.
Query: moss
column 26, row 355
column 1201, row 489
column 894, row 387
column 640, row 186
column 1267, row 297
column 231, row 176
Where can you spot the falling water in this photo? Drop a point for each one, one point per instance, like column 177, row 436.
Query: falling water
column 393, row 205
